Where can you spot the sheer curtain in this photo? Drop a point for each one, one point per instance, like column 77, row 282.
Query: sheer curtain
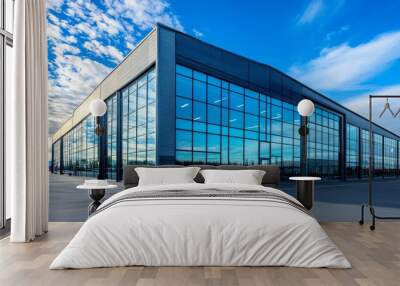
column 26, row 141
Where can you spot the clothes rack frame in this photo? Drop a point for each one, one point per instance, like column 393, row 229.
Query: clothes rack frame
column 370, row 204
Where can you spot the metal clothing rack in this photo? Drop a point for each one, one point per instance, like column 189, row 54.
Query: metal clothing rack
column 370, row 204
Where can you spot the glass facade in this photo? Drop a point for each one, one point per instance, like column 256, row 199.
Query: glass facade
column 385, row 160
column 218, row 122
column 352, row 151
column 130, row 139
column 56, row 156
column 378, row 154
column 390, row 156
column 324, row 143
column 364, row 153
column 112, row 119
column 80, row 151
column 139, row 121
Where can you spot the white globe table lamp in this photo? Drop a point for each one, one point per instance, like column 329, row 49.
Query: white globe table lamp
column 98, row 108
column 305, row 108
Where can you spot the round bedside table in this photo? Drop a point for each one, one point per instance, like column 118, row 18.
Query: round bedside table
column 305, row 190
column 96, row 193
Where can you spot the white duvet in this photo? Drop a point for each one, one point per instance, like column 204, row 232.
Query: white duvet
column 206, row 231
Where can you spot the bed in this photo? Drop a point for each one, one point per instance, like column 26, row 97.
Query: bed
column 197, row 224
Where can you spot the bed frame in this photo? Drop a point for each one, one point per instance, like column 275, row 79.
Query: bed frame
column 271, row 178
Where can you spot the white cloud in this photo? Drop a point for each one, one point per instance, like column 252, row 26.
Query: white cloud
column 145, row 13
column 71, row 39
column 333, row 34
column 197, row 33
column 311, row 12
column 130, row 45
column 87, row 40
column 102, row 50
column 54, row 4
column 88, row 30
column 345, row 67
column 360, row 105
column 76, row 78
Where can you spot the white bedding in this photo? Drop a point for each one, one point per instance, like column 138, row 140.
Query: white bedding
column 200, row 231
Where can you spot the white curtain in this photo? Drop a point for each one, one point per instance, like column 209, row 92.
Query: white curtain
column 26, row 142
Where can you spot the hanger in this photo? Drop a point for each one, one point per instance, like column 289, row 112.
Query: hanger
column 387, row 107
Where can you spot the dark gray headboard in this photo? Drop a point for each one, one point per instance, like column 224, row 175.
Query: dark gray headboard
column 271, row 177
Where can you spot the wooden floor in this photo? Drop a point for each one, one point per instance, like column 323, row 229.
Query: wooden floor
column 375, row 257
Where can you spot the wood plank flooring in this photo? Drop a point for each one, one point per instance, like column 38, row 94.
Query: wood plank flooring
column 375, row 257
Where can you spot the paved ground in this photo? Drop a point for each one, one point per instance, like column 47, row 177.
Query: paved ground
column 66, row 202
column 335, row 200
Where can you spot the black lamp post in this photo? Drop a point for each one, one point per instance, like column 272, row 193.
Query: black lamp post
column 305, row 108
column 98, row 108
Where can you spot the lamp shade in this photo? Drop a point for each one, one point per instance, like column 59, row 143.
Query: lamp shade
column 305, row 107
column 98, row 107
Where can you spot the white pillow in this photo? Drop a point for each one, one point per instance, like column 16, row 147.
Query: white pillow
column 166, row 176
column 248, row 177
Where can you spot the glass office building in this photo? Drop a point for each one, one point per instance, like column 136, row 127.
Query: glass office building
column 178, row 100
column 79, row 155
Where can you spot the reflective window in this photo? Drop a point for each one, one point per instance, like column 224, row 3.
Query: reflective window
column 139, row 119
column 184, row 87
column 111, row 137
column 56, row 156
column 390, row 156
column 352, row 150
column 378, row 154
column 226, row 124
column 324, row 143
column 364, row 153
column 80, row 150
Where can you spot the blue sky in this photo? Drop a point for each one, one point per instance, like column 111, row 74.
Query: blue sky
column 344, row 49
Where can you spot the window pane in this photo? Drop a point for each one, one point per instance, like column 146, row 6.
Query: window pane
column 213, row 143
column 214, row 114
column 199, row 112
column 214, row 95
column 199, row 157
column 214, row 81
column 151, row 91
column 199, row 75
column 142, row 97
column 183, row 140
column 183, row 70
column 213, row 158
column 183, row 157
column 264, row 150
column 183, row 86
column 251, row 105
column 251, row 152
column 199, row 141
column 236, row 101
column 235, row 150
column 276, row 112
column 251, row 122
column 199, row 90
column 183, row 108
column 236, row 119
column 183, row 124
